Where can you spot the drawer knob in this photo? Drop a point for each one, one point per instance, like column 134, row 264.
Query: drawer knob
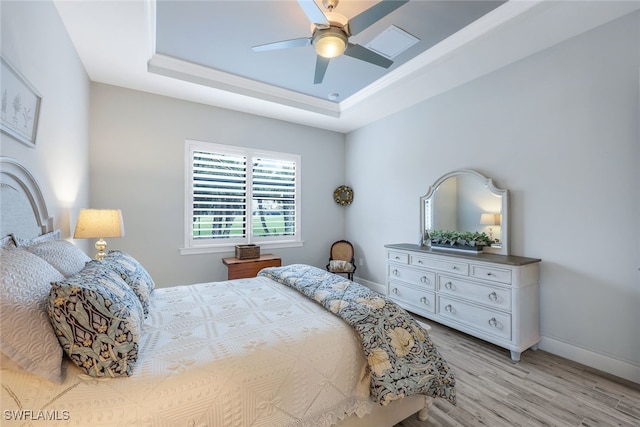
column 420, row 261
column 490, row 274
column 395, row 291
column 454, row 267
column 493, row 296
column 424, row 279
column 395, row 272
column 424, row 300
column 493, row 322
column 397, row 257
column 449, row 308
column 448, row 285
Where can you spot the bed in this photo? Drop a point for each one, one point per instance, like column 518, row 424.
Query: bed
column 271, row 350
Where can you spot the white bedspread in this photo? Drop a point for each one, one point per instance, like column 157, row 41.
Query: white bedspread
column 249, row 352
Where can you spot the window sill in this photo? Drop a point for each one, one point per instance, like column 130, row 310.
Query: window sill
column 231, row 248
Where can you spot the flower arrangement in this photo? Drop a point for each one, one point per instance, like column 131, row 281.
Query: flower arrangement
column 459, row 239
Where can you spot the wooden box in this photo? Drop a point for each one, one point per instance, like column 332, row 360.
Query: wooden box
column 247, row 251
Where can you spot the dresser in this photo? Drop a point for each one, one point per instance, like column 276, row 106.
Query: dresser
column 492, row 297
column 243, row 268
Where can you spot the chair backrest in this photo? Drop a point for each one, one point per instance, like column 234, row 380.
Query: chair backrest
column 342, row 250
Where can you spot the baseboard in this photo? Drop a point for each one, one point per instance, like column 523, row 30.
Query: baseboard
column 381, row 289
column 620, row 368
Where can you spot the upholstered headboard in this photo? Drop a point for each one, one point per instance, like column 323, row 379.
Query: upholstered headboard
column 23, row 211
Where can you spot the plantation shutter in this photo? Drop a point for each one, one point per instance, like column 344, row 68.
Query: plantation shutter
column 236, row 195
column 273, row 197
column 219, row 195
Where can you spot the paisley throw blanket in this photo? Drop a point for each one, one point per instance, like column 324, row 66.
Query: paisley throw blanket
column 402, row 359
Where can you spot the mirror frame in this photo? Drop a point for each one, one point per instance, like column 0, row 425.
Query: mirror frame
column 488, row 182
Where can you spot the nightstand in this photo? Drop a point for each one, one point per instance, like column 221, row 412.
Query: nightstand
column 243, row 268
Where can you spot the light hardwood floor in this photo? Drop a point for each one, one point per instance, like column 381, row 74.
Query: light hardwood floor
column 540, row 390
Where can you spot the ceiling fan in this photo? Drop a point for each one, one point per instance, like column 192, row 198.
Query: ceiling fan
column 331, row 32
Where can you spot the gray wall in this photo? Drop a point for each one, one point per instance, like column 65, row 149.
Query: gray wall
column 36, row 43
column 137, row 165
column 560, row 130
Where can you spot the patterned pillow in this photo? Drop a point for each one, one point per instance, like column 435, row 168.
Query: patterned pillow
column 67, row 258
column 97, row 319
column 27, row 336
column 134, row 274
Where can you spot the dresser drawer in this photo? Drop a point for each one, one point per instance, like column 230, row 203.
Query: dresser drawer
column 399, row 257
column 454, row 267
column 420, row 278
column 421, row 300
column 500, row 275
column 486, row 320
column 488, row 295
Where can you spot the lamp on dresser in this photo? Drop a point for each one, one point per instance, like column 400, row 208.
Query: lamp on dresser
column 490, row 219
column 98, row 224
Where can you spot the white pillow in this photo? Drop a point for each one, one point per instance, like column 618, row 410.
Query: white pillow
column 340, row 266
column 7, row 242
column 27, row 335
column 67, row 258
column 52, row 235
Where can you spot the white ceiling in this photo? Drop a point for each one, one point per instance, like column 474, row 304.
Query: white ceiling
column 214, row 64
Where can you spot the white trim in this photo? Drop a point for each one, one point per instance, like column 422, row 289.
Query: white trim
column 198, row 246
column 184, row 70
column 603, row 362
column 381, row 289
column 231, row 248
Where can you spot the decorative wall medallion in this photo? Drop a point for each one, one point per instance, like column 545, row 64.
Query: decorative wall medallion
column 343, row 195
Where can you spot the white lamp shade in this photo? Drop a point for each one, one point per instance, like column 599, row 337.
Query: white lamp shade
column 490, row 219
column 99, row 223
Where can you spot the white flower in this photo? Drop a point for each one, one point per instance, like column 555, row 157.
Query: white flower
column 373, row 303
column 401, row 341
column 321, row 295
column 379, row 361
column 419, row 332
column 339, row 285
column 337, row 305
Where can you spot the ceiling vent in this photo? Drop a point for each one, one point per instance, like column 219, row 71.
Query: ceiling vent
column 392, row 42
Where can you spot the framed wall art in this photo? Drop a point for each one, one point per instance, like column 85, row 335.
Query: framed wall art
column 20, row 105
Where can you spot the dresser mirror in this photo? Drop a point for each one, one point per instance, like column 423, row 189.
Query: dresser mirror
column 465, row 200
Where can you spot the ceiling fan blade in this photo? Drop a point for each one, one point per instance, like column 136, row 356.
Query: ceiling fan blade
column 321, row 68
column 285, row 44
column 373, row 15
column 364, row 54
column 313, row 12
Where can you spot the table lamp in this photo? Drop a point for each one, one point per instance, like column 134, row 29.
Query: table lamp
column 490, row 219
column 99, row 223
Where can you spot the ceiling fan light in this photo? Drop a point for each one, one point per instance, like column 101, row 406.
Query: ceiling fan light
column 330, row 43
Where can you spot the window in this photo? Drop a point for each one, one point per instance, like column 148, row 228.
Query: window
column 237, row 195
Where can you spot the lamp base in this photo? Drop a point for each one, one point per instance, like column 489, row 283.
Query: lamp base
column 101, row 245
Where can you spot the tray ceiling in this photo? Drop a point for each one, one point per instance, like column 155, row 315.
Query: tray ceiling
column 200, row 51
